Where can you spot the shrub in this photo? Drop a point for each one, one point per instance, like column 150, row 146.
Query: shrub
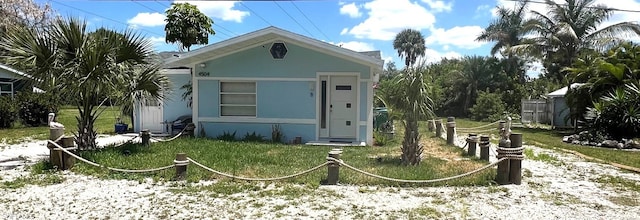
column 253, row 137
column 488, row 107
column 227, row 136
column 8, row 111
column 276, row 134
column 618, row 113
column 34, row 108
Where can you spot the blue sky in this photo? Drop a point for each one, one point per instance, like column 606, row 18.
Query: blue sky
column 449, row 26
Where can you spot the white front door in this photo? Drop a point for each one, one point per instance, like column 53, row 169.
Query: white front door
column 151, row 116
column 343, row 106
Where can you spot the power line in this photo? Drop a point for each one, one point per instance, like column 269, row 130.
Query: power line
column 593, row 7
column 110, row 19
column 143, row 5
column 314, row 25
column 292, row 18
column 255, row 13
column 163, row 5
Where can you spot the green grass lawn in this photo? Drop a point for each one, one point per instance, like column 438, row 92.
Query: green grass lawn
column 273, row 160
column 67, row 116
column 551, row 139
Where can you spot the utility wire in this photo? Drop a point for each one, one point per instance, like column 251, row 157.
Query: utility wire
column 292, row 18
column 593, row 7
column 137, row 2
column 312, row 23
column 252, row 11
column 107, row 18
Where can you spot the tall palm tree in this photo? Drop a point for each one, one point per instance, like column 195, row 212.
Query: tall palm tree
column 87, row 67
column 408, row 96
column 508, row 30
column 571, row 29
column 477, row 74
column 410, row 45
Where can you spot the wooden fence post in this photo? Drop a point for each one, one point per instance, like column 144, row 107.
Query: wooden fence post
column 333, row 169
column 67, row 161
column 502, row 175
column 181, row 163
column 438, row 128
column 515, row 167
column 54, row 155
column 145, row 134
column 472, row 140
column 430, row 125
column 484, row 147
column 451, row 130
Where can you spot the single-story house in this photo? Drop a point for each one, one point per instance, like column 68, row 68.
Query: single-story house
column 558, row 109
column 12, row 81
column 315, row 91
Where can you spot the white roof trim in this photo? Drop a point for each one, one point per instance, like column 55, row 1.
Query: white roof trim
column 327, row 47
column 563, row 91
column 15, row 71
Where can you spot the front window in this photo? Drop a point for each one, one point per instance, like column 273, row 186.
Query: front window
column 6, row 89
column 238, row 99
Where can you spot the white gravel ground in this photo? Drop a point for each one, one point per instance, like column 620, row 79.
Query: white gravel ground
column 564, row 189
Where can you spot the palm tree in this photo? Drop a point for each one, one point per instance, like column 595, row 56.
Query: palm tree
column 410, row 45
column 408, row 96
column 571, row 29
column 88, row 68
column 506, row 31
column 477, row 73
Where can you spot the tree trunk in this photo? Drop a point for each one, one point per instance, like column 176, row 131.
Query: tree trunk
column 86, row 137
column 411, row 149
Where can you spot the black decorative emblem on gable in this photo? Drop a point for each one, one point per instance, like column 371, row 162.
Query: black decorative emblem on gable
column 278, row 50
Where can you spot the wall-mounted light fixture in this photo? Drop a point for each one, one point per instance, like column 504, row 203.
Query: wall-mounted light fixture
column 203, row 65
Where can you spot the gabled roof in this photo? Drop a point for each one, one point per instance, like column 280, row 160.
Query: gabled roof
column 268, row 34
column 563, row 91
column 14, row 71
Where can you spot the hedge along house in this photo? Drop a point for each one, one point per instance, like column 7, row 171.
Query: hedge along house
column 315, row 91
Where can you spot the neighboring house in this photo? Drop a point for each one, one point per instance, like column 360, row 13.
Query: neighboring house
column 314, row 90
column 558, row 109
column 11, row 81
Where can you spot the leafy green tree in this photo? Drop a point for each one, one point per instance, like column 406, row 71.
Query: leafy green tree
column 89, row 68
column 187, row 26
column 410, row 45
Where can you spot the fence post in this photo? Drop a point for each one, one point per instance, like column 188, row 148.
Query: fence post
column 181, row 163
column 472, row 140
column 515, row 167
column 430, row 125
column 438, row 128
column 333, row 168
column 502, row 176
column 451, row 130
column 484, row 147
column 67, row 161
column 145, row 134
column 54, row 155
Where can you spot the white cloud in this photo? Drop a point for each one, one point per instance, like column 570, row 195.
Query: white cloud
column 344, row 31
column 147, row 19
column 388, row 17
column 387, row 59
column 433, row 56
column 351, row 9
column 356, row 46
column 439, row 6
column 220, row 9
column 157, row 40
column 459, row 36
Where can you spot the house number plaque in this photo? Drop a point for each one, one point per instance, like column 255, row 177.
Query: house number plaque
column 203, row 74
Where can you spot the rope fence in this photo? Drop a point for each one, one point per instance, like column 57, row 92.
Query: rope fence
column 106, row 167
column 480, row 127
column 257, row 179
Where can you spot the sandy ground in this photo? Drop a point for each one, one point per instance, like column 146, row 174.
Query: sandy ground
column 569, row 188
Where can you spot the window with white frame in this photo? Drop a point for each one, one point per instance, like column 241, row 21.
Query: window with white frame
column 238, row 99
column 6, row 89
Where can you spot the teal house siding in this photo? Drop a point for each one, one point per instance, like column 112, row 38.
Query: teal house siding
column 287, row 91
column 173, row 105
